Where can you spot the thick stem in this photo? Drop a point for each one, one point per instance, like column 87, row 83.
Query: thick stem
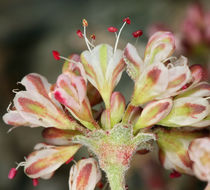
column 116, row 177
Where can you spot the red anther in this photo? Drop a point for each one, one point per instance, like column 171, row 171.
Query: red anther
column 35, row 182
column 93, row 36
column 175, row 174
column 12, row 173
column 79, row 33
column 100, row 185
column 84, row 23
column 127, row 20
column 112, row 29
column 56, row 55
column 126, row 187
column 137, row 33
column 69, row 160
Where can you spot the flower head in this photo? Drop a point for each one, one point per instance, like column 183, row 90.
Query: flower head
column 166, row 92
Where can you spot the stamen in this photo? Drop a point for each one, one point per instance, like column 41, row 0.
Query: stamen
column 69, row 160
column 8, row 108
column 127, row 20
column 85, row 24
column 79, row 33
column 12, row 173
column 207, row 98
column 137, row 33
column 118, row 36
column 169, row 65
column 93, row 36
column 112, row 29
column 35, row 182
column 56, row 55
column 175, row 174
column 15, row 90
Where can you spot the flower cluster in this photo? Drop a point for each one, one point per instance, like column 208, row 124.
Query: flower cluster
column 169, row 105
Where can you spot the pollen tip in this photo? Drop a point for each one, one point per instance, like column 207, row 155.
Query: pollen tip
column 12, row 173
column 175, row 174
column 84, row 23
column 93, row 36
column 112, row 29
column 127, row 20
column 137, row 33
column 79, row 34
column 35, row 182
column 69, row 160
column 56, row 55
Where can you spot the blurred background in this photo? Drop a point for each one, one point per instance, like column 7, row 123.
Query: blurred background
column 31, row 29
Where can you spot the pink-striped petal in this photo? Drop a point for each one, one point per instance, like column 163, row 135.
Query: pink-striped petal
column 84, row 175
column 15, row 119
column 37, row 83
column 199, row 153
column 153, row 113
column 186, row 111
column 71, row 92
column 58, row 136
column 48, row 159
column 161, row 45
column 151, row 83
column 38, row 110
column 133, row 61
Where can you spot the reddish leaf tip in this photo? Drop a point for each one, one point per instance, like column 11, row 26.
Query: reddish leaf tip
column 79, row 34
column 127, row 20
column 137, row 33
column 12, row 173
column 56, row 55
column 112, row 29
column 175, row 174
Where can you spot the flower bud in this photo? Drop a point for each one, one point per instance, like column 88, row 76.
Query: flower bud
column 84, row 175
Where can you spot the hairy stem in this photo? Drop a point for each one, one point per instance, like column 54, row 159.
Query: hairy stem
column 116, row 177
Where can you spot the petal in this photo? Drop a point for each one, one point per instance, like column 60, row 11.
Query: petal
column 103, row 69
column 38, row 110
column 71, row 67
column 117, row 107
column 58, row 136
column 160, row 46
column 186, row 111
column 151, row 83
column 84, row 175
column 153, row 113
column 197, row 72
column 173, row 146
column 115, row 69
column 45, row 161
column 116, row 111
column 14, row 118
column 199, row 153
column 201, row 89
column 203, row 123
column 131, row 115
column 38, row 83
column 71, row 92
column 133, row 61
column 178, row 76
column 93, row 95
